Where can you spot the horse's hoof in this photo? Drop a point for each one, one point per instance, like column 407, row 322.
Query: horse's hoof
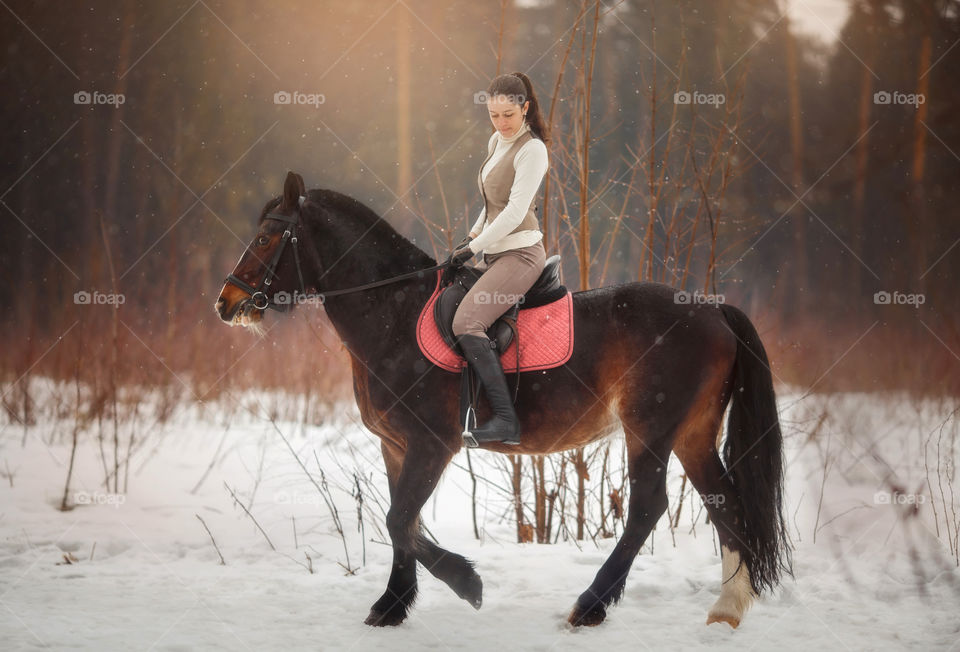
column 391, row 618
column 590, row 617
column 473, row 591
column 730, row 619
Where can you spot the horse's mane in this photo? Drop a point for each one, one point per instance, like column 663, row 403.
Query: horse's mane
column 367, row 220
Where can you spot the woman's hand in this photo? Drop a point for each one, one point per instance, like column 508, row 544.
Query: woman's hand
column 460, row 256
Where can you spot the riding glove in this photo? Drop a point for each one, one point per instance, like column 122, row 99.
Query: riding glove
column 459, row 257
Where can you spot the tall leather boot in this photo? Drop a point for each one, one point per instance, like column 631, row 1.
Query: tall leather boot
column 504, row 426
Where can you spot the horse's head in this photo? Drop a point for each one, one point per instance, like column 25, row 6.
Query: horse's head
column 269, row 273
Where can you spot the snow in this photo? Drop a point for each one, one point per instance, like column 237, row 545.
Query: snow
column 875, row 578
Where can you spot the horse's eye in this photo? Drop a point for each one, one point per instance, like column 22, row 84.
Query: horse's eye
column 263, row 241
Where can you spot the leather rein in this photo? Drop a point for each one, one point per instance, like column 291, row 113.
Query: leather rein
column 258, row 294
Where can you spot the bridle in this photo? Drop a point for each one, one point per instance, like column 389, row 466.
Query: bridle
column 259, row 297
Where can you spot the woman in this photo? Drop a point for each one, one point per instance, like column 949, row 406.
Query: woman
column 508, row 234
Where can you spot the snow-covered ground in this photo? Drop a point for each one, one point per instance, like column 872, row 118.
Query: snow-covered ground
column 143, row 573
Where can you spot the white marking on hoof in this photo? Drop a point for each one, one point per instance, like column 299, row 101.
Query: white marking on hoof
column 736, row 594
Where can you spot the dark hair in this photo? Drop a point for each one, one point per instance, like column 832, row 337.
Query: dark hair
column 516, row 85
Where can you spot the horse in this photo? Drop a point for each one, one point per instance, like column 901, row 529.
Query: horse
column 662, row 370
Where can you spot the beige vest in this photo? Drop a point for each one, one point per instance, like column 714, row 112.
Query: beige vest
column 496, row 187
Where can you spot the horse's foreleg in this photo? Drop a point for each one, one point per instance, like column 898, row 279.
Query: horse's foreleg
column 415, row 480
column 648, row 501
column 394, row 604
column 456, row 571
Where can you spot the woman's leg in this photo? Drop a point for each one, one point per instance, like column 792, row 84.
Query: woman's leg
column 503, row 284
column 507, row 278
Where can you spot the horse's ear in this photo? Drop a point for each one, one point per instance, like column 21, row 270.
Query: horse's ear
column 293, row 189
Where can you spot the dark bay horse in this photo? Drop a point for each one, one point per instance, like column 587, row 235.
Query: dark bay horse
column 663, row 371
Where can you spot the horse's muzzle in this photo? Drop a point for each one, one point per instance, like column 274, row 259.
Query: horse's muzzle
column 228, row 309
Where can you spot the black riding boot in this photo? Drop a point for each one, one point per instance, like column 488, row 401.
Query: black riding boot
column 504, row 426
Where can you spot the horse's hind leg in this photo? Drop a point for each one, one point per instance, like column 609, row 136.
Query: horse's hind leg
column 696, row 450
column 648, row 501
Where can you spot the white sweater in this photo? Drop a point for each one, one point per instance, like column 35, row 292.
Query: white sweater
column 530, row 165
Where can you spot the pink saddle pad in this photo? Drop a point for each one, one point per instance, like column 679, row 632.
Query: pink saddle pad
column 546, row 337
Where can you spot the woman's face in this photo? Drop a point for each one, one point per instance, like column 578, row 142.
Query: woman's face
column 505, row 115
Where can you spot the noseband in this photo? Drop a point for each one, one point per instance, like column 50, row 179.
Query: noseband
column 257, row 294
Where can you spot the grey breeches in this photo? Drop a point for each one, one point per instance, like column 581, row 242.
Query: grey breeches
column 506, row 277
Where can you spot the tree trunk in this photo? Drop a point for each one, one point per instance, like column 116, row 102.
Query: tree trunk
column 585, row 169
column 858, row 236
column 404, row 162
column 540, row 500
column 798, row 266
column 918, row 225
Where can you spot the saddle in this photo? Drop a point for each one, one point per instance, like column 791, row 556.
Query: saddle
column 456, row 284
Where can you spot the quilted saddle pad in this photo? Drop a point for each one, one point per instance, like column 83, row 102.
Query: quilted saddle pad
column 545, row 335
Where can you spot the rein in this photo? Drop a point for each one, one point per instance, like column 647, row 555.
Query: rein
column 392, row 279
column 282, row 303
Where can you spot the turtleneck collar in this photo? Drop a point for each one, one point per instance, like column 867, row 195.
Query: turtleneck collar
column 524, row 128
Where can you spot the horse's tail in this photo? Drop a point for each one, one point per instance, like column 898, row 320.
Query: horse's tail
column 753, row 456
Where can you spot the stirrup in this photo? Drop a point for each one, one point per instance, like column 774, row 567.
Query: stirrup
column 468, row 438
